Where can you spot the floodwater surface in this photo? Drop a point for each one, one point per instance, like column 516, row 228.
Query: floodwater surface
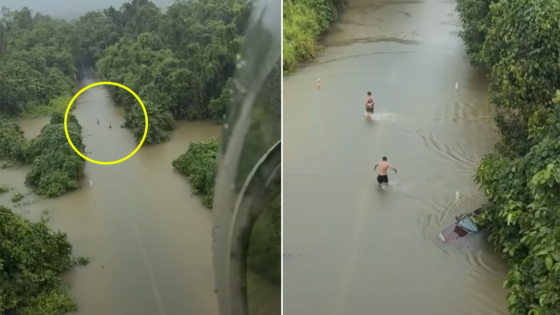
column 356, row 249
column 148, row 237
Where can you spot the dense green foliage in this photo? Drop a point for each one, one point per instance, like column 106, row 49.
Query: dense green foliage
column 56, row 167
column 178, row 62
column 200, row 165
column 264, row 257
column 31, row 258
column 36, row 61
column 304, row 22
column 519, row 42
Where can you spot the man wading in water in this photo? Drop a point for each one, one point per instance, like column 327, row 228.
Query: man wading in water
column 369, row 104
column 382, row 178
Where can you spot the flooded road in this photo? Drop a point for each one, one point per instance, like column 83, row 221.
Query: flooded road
column 148, row 238
column 361, row 250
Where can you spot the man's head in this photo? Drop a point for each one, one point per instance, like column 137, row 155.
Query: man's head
column 368, row 93
column 384, row 159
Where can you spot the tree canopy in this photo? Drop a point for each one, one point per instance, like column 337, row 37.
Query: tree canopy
column 518, row 41
column 304, row 21
column 31, row 258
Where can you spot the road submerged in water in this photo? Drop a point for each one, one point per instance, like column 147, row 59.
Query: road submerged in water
column 367, row 251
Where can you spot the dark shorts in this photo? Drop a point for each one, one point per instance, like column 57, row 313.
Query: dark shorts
column 369, row 109
column 383, row 179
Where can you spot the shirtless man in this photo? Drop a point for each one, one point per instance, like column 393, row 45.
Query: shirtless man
column 382, row 178
column 369, row 103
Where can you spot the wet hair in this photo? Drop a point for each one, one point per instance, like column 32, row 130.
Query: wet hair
column 384, row 158
column 369, row 93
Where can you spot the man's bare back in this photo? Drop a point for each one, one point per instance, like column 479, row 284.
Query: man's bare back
column 383, row 167
column 382, row 178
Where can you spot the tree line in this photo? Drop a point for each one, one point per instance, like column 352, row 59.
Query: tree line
column 180, row 62
column 200, row 165
column 518, row 42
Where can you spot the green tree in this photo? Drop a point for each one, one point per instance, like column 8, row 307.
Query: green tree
column 32, row 257
column 200, row 165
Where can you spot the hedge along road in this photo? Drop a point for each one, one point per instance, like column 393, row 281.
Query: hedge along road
column 99, row 84
column 367, row 251
column 148, row 238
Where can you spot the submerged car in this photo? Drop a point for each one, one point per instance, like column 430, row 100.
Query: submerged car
column 463, row 226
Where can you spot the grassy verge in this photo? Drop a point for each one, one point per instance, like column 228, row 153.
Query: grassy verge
column 57, row 105
column 304, row 22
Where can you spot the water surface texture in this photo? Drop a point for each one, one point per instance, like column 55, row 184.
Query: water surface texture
column 355, row 249
column 148, row 237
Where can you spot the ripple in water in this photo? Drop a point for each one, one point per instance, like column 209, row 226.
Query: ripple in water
column 455, row 151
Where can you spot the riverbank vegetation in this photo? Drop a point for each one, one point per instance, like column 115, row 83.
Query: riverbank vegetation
column 304, row 22
column 56, row 168
column 517, row 41
column 200, row 165
column 32, row 257
column 179, row 61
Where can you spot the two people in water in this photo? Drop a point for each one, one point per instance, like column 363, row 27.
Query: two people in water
column 382, row 177
column 110, row 126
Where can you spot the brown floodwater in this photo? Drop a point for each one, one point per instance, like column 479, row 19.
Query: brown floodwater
column 356, row 249
column 148, row 237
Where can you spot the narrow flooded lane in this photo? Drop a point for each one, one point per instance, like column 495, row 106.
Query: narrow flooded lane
column 148, row 237
column 363, row 250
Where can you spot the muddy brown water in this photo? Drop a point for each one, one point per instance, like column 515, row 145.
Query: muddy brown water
column 148, row 238
column 365, row 251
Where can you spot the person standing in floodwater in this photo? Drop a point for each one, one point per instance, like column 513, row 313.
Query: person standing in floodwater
column 370, row 104
column 98, row 121
column 382, row 178
column 110, row 126
column 318, row 83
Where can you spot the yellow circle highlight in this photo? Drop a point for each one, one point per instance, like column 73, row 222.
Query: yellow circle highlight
column 68, row 111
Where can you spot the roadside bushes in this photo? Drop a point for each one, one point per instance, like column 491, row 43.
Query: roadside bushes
column 200, row 165
column 32, row 256
column 13, row 145
column 304, row 21
column 518, row 41
column 476, row 20
column 522, row 218
column 56, row 167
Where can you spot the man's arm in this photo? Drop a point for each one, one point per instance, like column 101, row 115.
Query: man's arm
column 375, row 167
column 394, row 169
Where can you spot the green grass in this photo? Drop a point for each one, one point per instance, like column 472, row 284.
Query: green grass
column 57, row 105
column 304, row 22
